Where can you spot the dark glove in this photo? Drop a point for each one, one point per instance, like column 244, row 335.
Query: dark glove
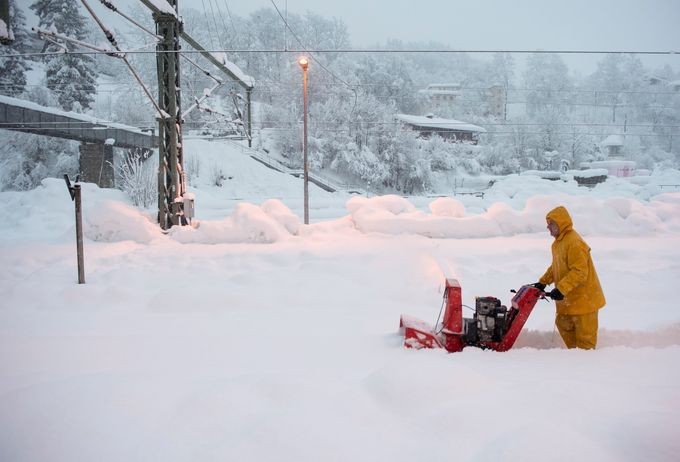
column 555, row 294
column 538, row 285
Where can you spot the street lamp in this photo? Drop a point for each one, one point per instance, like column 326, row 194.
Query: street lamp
column 304, row 63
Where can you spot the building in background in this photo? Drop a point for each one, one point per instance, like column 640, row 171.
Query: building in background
column 442, row 96
column 449, row 129
column 496, row 97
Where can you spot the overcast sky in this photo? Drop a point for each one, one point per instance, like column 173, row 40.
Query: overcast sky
column 616, row 25
column 517, row 24
column 608, row 25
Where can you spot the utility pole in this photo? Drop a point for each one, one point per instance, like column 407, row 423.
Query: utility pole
column 171, row 178
column 304, row 64
column 171, row 181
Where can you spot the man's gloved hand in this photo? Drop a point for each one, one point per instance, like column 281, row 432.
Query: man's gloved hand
column 538, row 285
column 555, row 294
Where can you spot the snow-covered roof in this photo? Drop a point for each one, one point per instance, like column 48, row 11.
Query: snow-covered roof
column 444, row 85
column 438, row 122
column 439, row 92
column 613, row 140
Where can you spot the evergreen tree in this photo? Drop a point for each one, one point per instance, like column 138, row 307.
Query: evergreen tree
column 13, row 68
column 71, row 76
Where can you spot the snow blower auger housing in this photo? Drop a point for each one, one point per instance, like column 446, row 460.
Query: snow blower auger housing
column 493, row 326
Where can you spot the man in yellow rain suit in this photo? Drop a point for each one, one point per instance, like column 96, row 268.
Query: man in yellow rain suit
column 577, row 293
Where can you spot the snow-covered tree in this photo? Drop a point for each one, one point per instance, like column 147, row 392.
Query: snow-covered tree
column 71, row 76
column 25, row 159
column 501, row 70
column 547, row 83
column 13, row 68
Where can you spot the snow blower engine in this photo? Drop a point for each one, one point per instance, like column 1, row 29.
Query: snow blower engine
column 493, row 326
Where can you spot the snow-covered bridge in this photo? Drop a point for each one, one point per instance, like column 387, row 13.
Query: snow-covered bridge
column 29, row 117
column 98, row 137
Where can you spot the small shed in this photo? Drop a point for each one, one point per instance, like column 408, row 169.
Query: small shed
column 449, row 129
column 613, row 146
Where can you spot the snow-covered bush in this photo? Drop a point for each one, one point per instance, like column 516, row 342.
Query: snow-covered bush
column 137, row 177
column 216, row 175
column 192, row 167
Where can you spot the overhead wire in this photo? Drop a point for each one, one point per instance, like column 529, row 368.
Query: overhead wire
column 231, row 19
column 214, row 17
column 351, row 87
column 672, row 53
column 311, row 55
column 224, row 24
column 205, row 13
column 374, row 124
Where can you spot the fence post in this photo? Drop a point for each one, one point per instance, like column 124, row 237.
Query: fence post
column 74, row 192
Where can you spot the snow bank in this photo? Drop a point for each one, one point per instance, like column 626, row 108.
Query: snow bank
column 611, row 216
column 48, row 213
column 447, row 207
column 112, row 221
column 270, row 222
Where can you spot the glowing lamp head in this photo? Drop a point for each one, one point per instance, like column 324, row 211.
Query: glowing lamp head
column 303, row 62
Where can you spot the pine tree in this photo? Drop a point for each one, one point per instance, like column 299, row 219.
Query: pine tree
column 71, row 76
column 13, row 68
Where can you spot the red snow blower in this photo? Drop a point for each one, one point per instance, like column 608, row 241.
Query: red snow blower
column 492, row 326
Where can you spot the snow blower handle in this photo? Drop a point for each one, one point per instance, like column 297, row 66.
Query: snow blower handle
column 537, row 285
column 554, row 294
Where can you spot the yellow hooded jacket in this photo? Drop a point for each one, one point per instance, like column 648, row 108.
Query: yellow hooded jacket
column 572, row 269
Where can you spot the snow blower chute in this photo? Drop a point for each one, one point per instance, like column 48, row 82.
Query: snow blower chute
column 493, row 326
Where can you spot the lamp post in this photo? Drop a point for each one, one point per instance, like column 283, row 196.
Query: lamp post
column 304, row 63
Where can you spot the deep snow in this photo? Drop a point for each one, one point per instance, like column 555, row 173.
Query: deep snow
column 254, row 337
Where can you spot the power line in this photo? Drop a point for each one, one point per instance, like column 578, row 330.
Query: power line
column 224, row 24
column 387, row 51
column 265, row 84
column 219, row 36
column 304, row 49
column 231, row 19
column 451, row 125
column 205, row 13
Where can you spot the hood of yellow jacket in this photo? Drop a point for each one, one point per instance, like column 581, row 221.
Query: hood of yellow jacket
column 561, row 217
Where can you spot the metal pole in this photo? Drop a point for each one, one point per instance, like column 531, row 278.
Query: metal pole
column 304, row 145
column 170, row 149
column 79, row 235
column 249, row 92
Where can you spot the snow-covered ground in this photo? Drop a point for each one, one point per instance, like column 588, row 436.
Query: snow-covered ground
column 254, row 337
